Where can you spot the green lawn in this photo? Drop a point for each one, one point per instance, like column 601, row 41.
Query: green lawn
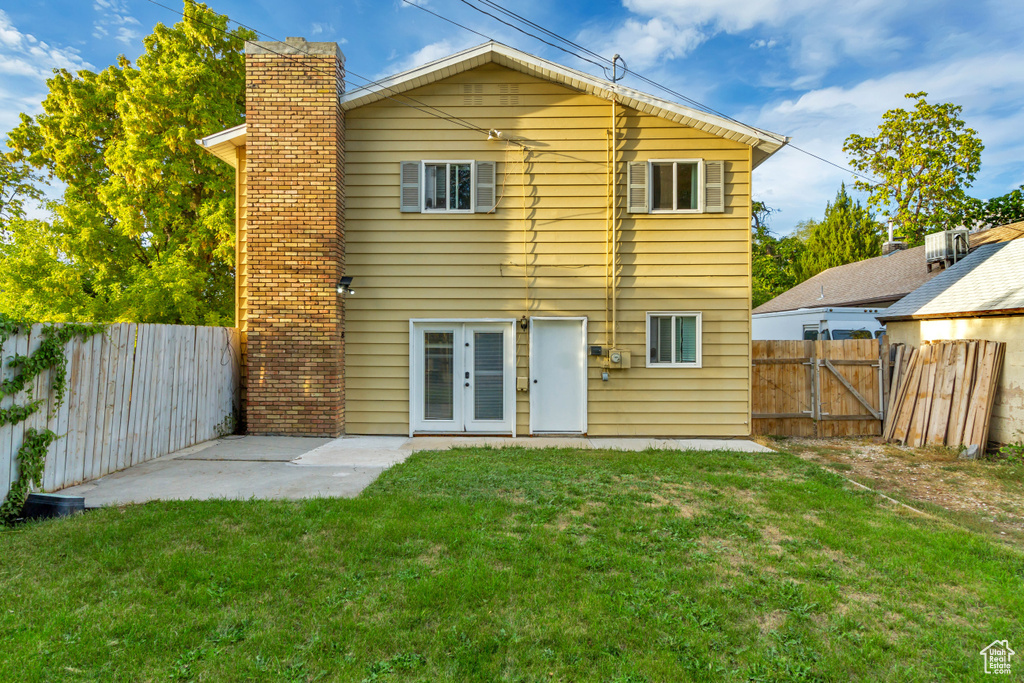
column 519, row 565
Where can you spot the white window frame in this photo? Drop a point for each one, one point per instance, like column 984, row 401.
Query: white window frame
column 700, row 334
column 447, row 195
column 699, row 163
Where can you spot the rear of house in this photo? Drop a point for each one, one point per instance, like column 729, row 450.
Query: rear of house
column 532, row 250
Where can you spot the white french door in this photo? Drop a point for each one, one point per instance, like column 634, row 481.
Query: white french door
column 462, row 376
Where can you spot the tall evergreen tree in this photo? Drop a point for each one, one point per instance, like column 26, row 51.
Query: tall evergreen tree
column 145, row 229
column 846, row 234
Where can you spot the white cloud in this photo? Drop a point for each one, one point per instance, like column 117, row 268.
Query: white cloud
column 990, row 87
column 644, row 43
column 426, row 54
column 22, row 54
column 113, row 14
column 819, row 36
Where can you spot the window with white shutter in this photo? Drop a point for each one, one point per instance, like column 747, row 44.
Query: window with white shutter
column 660, row 186
column 448, row 186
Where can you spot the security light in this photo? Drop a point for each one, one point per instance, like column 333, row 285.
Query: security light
column 345, row 285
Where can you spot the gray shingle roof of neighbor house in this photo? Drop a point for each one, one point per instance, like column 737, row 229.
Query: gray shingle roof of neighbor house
column 988, row 281
column 877, row 281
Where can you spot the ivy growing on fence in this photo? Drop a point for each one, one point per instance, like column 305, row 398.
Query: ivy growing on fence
column 49, row 356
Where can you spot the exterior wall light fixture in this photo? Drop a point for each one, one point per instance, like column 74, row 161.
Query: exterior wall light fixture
column 345, row 285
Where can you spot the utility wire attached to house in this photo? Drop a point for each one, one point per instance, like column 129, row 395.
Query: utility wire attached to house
column 611, row 64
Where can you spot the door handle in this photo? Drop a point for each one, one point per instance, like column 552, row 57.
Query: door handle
column 467, row 374
column 534, row 381
column 467, row 384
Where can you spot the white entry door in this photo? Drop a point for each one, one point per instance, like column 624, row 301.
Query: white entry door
column 558, row 375
column 462, row 377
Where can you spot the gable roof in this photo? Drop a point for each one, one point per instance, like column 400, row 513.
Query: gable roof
column 764, row 143
column 877, row 281
column 988, row 281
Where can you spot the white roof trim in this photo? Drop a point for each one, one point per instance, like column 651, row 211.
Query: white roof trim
column 765, row 142
column 223, row 144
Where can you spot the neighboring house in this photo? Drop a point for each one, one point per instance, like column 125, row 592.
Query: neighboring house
column 845, row 300
column 853, row 293
column 535, row 250
column 981, row 297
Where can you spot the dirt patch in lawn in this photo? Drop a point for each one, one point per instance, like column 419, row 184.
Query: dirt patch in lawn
column 981, row 494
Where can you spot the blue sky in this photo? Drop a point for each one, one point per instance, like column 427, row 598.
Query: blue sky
column 811, row 69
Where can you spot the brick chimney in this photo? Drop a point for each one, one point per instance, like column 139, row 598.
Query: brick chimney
column 295, row 157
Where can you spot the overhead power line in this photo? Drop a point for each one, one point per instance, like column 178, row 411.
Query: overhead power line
column 678, row 95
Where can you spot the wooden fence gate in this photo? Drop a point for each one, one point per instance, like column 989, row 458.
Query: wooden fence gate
column 819, row 388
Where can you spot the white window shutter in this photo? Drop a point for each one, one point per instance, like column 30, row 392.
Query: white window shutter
column 485, row 186
column 714, row 187
column 410, row 198
column 637, row 181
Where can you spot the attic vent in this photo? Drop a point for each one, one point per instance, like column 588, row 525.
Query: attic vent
column 509, row 94
column 472, row 94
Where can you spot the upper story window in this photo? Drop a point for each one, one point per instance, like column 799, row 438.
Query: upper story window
column 447, row 186
column 675, row 185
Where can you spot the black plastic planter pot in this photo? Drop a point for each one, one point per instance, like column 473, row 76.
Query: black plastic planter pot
column 47, row 505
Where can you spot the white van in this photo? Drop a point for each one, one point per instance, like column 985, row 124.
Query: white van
column 819, row 323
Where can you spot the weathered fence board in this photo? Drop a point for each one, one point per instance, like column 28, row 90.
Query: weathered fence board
column 818, row 388
column 134, row 393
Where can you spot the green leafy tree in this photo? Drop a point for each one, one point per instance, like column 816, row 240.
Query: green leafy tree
column 145, row 228
column 1008, row 208
column 846, row 234
column 18, row 184
column 925, row 159
column 772, row 260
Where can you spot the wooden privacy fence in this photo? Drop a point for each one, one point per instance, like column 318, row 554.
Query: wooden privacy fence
column 819, row 388
column 134, row 393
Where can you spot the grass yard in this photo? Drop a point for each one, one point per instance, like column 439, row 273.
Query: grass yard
column 517, row 565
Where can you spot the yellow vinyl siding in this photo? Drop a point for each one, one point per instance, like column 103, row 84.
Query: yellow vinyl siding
column 242, row 266
column 472, row 266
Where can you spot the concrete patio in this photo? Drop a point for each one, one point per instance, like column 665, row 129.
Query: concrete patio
column 280, row 467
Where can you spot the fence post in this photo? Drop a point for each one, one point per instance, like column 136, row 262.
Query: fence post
column 815, row 387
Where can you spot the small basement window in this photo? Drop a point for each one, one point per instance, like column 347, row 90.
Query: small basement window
column 674, row 339
column 675, row 185
column 448, row 186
